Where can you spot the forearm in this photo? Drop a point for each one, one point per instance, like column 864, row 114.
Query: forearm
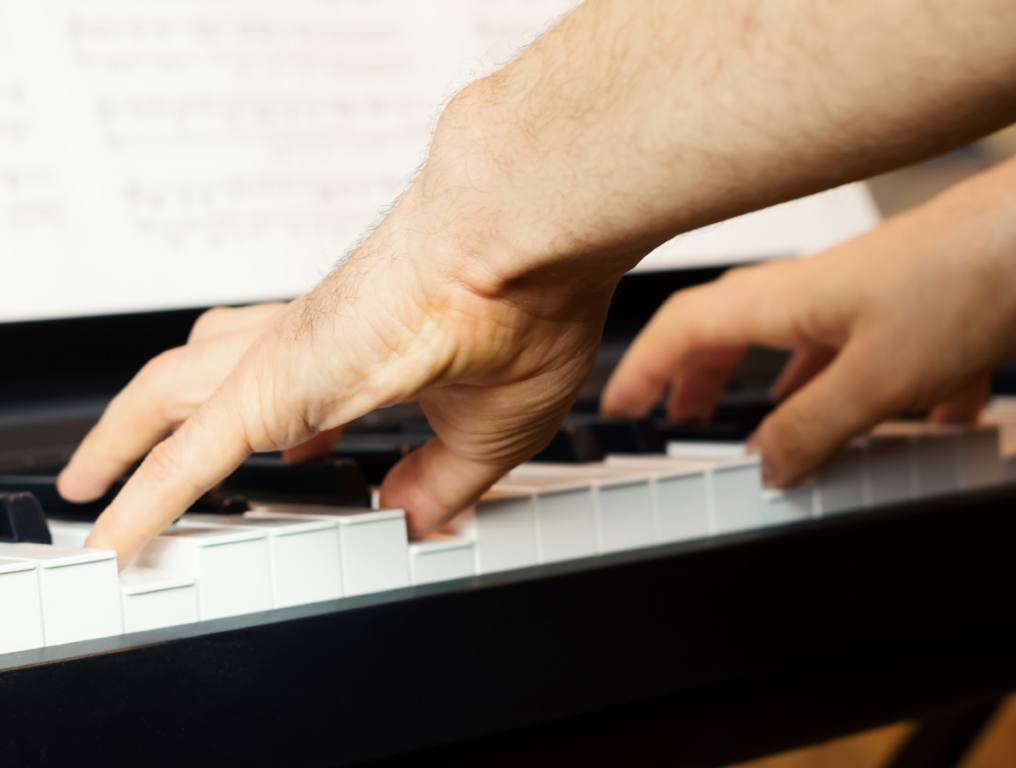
column 631, row 122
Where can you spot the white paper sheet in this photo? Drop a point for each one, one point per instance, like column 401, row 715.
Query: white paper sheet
column 158, row 154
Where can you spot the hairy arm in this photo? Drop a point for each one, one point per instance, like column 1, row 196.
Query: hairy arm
column 482, row 293
column 631, row 122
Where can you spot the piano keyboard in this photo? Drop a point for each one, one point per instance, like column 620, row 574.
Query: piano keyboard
column 273, row 549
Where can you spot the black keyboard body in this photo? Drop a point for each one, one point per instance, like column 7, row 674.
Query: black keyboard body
column 698, row 653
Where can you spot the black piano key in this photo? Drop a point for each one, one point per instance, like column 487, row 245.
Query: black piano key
column 713, row 432
column 744, row 415
column 43, row 487
column 22, row 519
column 377, row 453
column 220, row 502
column 585, row 438
column 626, row 435
column 338, row 482
column 572, row 443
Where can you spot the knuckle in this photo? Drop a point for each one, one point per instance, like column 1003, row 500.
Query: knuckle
column 734, row 277
column 166, row 462
column 208, row 321
column 164, row 459
column 673, row 316
column 158, row 367
column 675, row 304
column 157, row 380
column 739, row 278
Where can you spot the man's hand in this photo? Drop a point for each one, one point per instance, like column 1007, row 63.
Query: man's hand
column 483, row 293
column 495, row 368
column 912, row 315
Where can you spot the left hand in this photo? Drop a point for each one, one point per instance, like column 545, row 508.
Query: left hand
column 910, row 316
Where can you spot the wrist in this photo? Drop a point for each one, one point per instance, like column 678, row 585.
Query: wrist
column 479, row 191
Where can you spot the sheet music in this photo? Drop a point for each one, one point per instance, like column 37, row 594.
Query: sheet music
column 35, row 206
column 158, row 154
column 32, row 201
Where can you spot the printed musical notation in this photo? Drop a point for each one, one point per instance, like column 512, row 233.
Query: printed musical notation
column 160, row 153
column 241, row 143
column 31, row 196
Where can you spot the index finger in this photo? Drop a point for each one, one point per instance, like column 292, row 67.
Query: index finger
column 205, row 450
column 708, row 325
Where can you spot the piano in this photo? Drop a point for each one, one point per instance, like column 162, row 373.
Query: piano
column 632, row 595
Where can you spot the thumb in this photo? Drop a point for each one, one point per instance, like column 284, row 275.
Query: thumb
column 847, row 398
column 434, row 483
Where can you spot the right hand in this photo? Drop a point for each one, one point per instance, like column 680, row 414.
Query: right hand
column 910, row 316
column 411, row 315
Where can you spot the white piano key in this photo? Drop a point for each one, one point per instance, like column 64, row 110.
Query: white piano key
column 839, row 486
column 69, row 533
column 736, row 492
column 502, row 527
column 230, row 566
column 935, row 465
column 979, row 458
column 150, row 599
column 566, row 524
column 788, row 505
column 739, row 500
column 622, row 499
column 303, row 554
column 20, row 606
column 373, row 545
column 153, row 599
column 681, row 497
column 564, row 513
column 946, row 459
column 441, row 557
column 933, row 455
column 564, row 507
column 1001, row 414
column 78, row 589
column 625, row 512
column 887, row 470
column 695, row 449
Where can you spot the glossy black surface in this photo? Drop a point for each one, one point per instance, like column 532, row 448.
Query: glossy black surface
column 43, row 487
column 703, row 652
column 22, row 519
column 377, row 452
column 700, row 653
column 338, row 482
column 587, row 437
